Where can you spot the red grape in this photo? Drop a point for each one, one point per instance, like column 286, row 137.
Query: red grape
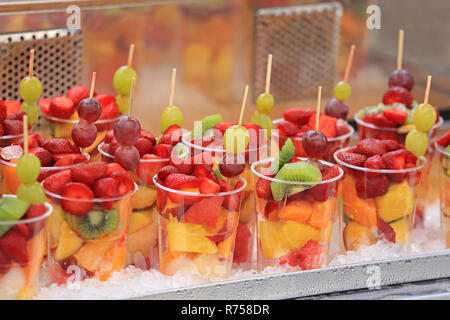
column 128, row 157
column 84, row 133
column 314, row 143
column 89, row 109
column 127, row 131
column 401, row 78
column 232, row 165
column 337, row 109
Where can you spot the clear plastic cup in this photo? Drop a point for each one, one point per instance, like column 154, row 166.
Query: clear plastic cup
column 297, row 230
column 333, row 145
column 197, row 231
column 20, row 279
column 377, row 204
column 444, row 183
column 244, row 256
column 77, row 250
column 142, row 240
column 6, row 141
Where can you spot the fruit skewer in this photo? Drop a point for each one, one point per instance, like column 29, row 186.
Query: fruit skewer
column 30, row 90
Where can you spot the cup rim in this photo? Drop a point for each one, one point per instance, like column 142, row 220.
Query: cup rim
column 10, row 137
column 360, row 122
column 106, row 154
column 73, row 121
column 87, row 155
column 30, row 220
column 94, row 200
column 338, row 138
column 265, row 161
column 422, row 160
column 201, row 195
column 441, row 149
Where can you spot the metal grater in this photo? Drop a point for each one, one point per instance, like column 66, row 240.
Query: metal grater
column 304, row 42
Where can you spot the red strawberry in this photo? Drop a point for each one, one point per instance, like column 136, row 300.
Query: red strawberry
column 223, row 126
column 149, row 165
column 67, row 159
column 299, row 117
column 399, row 95
column 444, row 141
column 327, row 125
column 272, row 206
column 23, row 229
column 105, row 188
column 34, row 140
column 44, row 155
column 395, row 160
column 204, row 158
column 381, row 121
column 201, row 170
column 374, row 162
column 89, row 172
column 241, row 244
column 3, row 111
column 166, row 170
column 310, row 256
column 205, row 212
column 44, row 105
column 172, row 128
column 354, row 159
column 109, row 136
column 114, row 167
column 78, row 191
column 385, row 231
column 263, row 190
column 14, row 245
column 55, row 183
column 371, row 187
column 4, row 263
column 368, row 118
column 16, row 116
column 149, row 136
column 413, row 177
column 183, row 166
column 288, row 128
column 58, row 146
column 207, row 186
column 110, row 110
column 12, row 127
column 410, row 157
column 323, row 191
column 370, row 147
column 126, row 185
column 231, row 202
column 172, row 135
column 397, row 115
column 12, row 106
column 62, row 107
column 2, row 131
column 163, row 150
column 144, row 146
column 342, row 128
column 385, row 135
column 180, row 181
column 392, row 145
column 34, row 211
column 78, row 93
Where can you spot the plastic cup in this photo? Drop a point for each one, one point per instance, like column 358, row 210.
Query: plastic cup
column 297, row 230
column 76, row 251
column 244, row 256
column 377, row 204
column 197, row 231
column 20, row 280
column 444, row 183
column 333, row 145
column 142, row 240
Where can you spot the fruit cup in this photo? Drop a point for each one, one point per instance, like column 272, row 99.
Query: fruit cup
column 297, row 229
column 142, row 240
column 22, row 249
column 197, row 232
column 89, row 245
column 377, row 204
column 444, row 179
column 333, row 145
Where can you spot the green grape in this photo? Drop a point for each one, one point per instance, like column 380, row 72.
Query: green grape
column 417, row 142
column 122, row 79
column 342, row 90
column 31, row 192
column 170, row 116
column 30, row 89
column 265, row 103
column 32, row 111
column 28, row 168
column 235, row 139
column 123, row 103
column 264, row 121
column 424, row 117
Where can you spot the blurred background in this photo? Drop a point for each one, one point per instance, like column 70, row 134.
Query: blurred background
column 220, row 46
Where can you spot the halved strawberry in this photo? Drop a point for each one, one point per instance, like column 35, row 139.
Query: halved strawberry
column 14, row 245
column 201, row 170
column 322, row 192
column 149, row 165
column 287, row 128
column 207, row 186
column 146, row 134
column 12, row 127
column 34, row 211
column 392, row 145
column 5, row 264
column 354, row 159
column 55, row 183
column 299, row 117
column 180, row 181
column 58, row 146
column 44, row 156
column 67, row 159
column 34, row 140
column 144, row 146
column 395, row 160
column 397, row 115
column 108, row 136
column 184, row 166
column 204, row 212
column 263, row 190
column 89, row 172
column 77, row 191
column 444, row 141
column 204, row 158
column 105, row 188
column 310, row 256
column 12, row 106
column 371, row 187
column 410, row 157
column 16, row 116
column 327, row 125
column 44, row 105
column 114, row 167
column 399, row 95
column 162, row 150
column 62, row 107
column 374, row 162
column 383, row 122
column 110, row 110
column 370, row 147
column 126, row 185
column 165, row 171
column 78, row 93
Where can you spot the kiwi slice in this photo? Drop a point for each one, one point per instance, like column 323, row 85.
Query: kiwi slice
column 296, row 171
column 95, row 223
column 205, row 124
column 287, row 152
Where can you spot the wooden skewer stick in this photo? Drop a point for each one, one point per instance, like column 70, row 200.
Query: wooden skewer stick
column 268, row 72
column 30, row 67
column 172, row 86
column 133, row 86
column 25, row 134
column 427, row 90
column 401, row 36
column 349, row 62
column 130, row 55
column 319, row 97
column 94, row 75
column 244, row 99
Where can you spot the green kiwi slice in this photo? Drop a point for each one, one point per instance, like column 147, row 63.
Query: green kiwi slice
column 296, row 171
column 287, row 152
column 95, row 223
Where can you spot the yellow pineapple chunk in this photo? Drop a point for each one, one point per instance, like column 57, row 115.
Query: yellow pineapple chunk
column 142, row 241
column 69, row 243
column 54, row 222
column 143, row 198
column 356, row 234
column 189, row 237
column 396, row 203
column 402, row 231
column 92, row 254
column 63, row 129
column 139, row 220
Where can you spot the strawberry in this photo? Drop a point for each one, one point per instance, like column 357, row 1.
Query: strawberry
column 106, row 188
column 263, row 189
column 204, row 158
column 62, row 107
column 183, row 166
column 397, row 115
column 272, row 206
column 3, row 111
column 299, row 117
column 149, row 136
column 4, row 263
column 149, row 165
column 125, row 183
column 23, row 229
column 444, row 141
column 58, row 146
column 109, row 136
column 173, row 128
column 385, row 135
column 12, row 127
column 172, row 135
column 34, row 211
column 381, row 121
column 370, row 147
column 55, row 183
column 322, row 192
column 385, row 231
column 327, row 125
column 109, row 111
column 163, row 150
column 14, row 245
column 78, row 93
column 44, row 105
column 78, row 191
column 114, row 167
column 392, row 145
column 89, row 172
column 16, row 116
column 368, row 118
column 144, row 146
column 374, row 162
column 207, row 186
column 241, row 244
column 165, row 171
column 34, row 140
column 341, row 128
column 201, row 170
column 223, row 126
column 2, row 131
column 354, row 159
column 395, row 160
column 113, row 146
column 399, row 95
column 12, row 106
column 161, row 197
column 67, row 159
column 310, row 256
column 180, row 181
column 287, row 128
column 410, row 157
column 413, row 177
column 371, row 187
column 44, row 155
